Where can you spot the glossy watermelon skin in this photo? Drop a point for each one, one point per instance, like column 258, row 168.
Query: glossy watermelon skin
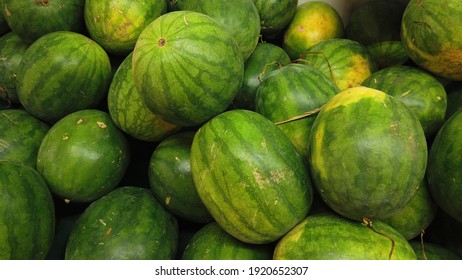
column 249, row 176
column 28, row 213
column 21, row 136
column 275, row 15
column 128, row 110
column 171, row 181
column 83, row 156
column 444, row 162
column 332, row 237
column 126, row 224
column 77, row 71
column 428, row 38
column 422, row 93
column 116, row 25
column 12, row 49
column 368, row 154
column 292, row 91
column 187, row 68
column 211, row 242
column 33, row 19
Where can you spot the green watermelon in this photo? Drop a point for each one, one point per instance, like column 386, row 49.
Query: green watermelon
column 265, row 58
column 331, row 237
column 420, row 91
column 275, row 15
column 444, row 167
column 83, row 156
column 368, row 154
column 249, row 176
column 211, row 242
column 28, row 213
column 31, row 19
column 116, row 24
column 240, row 18
column 60, row 73
column 432, row 251
column 128, row 110
column 171, row 180
column 431, row 37
column 125, row 224
column 12, row 48
column 187, row 68
column 290, row 92
column 21, row 136
column 347, row 62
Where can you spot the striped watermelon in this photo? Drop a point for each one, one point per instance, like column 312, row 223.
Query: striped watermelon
column 275, row 15
column 187, row 68
column 368, row 154
column 249, row 176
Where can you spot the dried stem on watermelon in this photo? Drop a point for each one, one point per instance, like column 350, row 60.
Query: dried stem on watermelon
column 302, row 116
column 325, row 58
column 422, row 233
column 368, row 223
column 279, row 65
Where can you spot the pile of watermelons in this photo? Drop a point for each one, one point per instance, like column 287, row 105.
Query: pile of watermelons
column 230, row 129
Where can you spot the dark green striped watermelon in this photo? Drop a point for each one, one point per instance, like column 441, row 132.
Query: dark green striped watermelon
column 21, row 136
column 12, row 48
column 265, row 58
column 275, row 15
column 211, row 242
column 430, row 32
column 331, row 237
column 240, row 18
column 128, row 110
column 116, row 24
column 422, row 93
column 126, row 224
column 83, row 156
column 31, row 19
column 171, row 180
column 368, row 154
column 432, row 251
column 444, row 167
column 187, row 68
column 347, row 62
column 291, row 91
column 249, row 176
column 60, row 73
column 27, row 211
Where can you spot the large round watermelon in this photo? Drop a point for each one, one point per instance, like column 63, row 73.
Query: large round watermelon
column 187, row 68
column 368, row 154
column 27, row 211
column 250, row 176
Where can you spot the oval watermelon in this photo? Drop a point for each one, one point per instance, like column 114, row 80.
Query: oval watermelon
column 249, row 176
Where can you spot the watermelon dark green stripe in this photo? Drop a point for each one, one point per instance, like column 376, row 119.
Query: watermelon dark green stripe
column 249, row 176
column 275, row 15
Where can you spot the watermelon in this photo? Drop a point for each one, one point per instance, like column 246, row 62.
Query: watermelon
column 240, row 18
column 290, row 92
column 21, row 136
column 275, row 15
column 368, row 154
column 12, row 48
column 125, row 224
column 187, row 68
column 211, row 242
column 171, row 180
column 313, row 22
column 28, row 213
column 444, row 166
column 116, row 24
column 83, row 156
column 265, row 58
column 347, row 62
column 331, row 237
column 431, row 35
column 33, row 19
column 432, row 251
column 128, row 110
column 420, row 91
column 60, row 73
column 249, row 176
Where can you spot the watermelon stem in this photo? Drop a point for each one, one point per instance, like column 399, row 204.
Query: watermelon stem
column 302, row 116
column 422, row 233
column 368, row 223
column 43, row 2
column 309, row 62
column 264, row 69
